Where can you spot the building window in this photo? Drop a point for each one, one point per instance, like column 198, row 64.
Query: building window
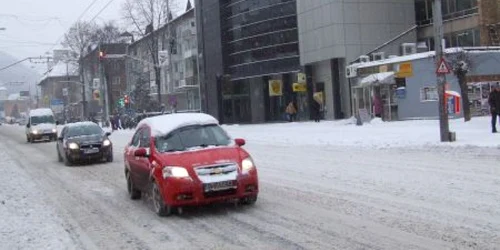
column 450, row 8
column 428, row 94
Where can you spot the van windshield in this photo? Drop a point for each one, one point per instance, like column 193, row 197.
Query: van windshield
column 42, row 119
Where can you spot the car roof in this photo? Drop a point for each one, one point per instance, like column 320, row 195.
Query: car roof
column 41, row 112
column 78, row 124
column 164, row 124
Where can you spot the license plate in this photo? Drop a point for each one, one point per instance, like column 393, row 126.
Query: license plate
column 217, row 186
column 91, row 151
column 45, row 138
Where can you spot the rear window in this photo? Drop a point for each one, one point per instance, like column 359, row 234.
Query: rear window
column 191, row 137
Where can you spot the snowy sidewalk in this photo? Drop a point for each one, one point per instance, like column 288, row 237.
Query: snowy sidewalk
column 26, row 220
column 377, row 134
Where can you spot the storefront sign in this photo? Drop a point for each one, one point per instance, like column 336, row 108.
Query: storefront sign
column 299, row 87
column 405, row 70
column 275, row 88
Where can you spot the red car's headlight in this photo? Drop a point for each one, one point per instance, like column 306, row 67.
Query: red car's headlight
column 177, row 172
column 247, row 165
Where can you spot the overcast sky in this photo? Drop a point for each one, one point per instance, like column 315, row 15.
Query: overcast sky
column 34, row 27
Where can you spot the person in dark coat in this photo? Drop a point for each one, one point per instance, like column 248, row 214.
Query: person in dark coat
column 494, row 102
column 316, row 110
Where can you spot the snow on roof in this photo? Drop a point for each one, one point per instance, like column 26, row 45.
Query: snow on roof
column 41, row 112
column 13, row 97
column 378, row 78
column 164, row 124
column 3, row 88
column 61, row 69
column 406, row 58
column 84, row 123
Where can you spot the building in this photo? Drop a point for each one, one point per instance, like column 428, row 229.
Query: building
column 3, row 93
column 177, row 59
column 60, row 90
column 466, row 23
column 108, row 68
column 406, row 85
column 244, row 47
column 333, row 34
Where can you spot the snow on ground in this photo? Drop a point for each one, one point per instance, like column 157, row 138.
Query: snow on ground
column 24, row 212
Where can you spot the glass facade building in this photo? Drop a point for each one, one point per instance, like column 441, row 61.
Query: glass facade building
column 257, row 41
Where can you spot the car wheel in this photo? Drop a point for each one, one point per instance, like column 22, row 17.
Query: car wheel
column 59, row 157
column 250, row 200
column 133, row 193
column 161, row 209
column 67, row 161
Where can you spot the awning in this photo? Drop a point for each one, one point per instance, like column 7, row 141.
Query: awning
column 378, row 79
column 453, row 93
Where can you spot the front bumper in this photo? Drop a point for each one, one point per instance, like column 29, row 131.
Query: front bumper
column 82, row 155
column 43, row 136
column 189, row 192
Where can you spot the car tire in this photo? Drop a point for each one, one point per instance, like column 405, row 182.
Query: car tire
column 249, row 200
column 59, row 157
column 68, row 162
column 161, row 209
column 133, row 193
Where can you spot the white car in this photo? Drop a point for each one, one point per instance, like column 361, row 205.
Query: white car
column 41, row 125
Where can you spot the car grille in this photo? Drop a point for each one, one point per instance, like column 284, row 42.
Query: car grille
column 90, row 145
column 216, row 170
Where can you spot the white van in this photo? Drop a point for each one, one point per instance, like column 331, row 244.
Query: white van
column 41, row 125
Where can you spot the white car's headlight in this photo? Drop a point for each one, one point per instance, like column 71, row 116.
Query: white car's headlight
column 177, row 172
column 34, row 131
column 247, row 165
column 54, row 130
column 73, row 146
column 106, row 143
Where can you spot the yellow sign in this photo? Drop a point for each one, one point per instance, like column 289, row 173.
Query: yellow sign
column 318, row 96
column 405, row 70
column 299, row 87
column 275, row 88
column 301, row 78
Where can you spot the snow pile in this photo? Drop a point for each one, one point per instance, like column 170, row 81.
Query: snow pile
column 24, row 212
column 377, row 134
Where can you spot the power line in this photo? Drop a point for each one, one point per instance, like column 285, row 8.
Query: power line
column 77, row 20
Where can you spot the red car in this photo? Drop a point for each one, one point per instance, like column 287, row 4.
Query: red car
column 187, row 159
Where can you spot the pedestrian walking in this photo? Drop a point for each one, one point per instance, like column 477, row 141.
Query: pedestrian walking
column 494, row 102
column 291, row 111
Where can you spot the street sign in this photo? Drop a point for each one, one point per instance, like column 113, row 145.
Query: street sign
column 443, row 67
column 65, row 91
column 96, row 83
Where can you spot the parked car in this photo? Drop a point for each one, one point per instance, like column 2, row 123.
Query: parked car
column 83, row 141
column 187, row 159
column 41, row 125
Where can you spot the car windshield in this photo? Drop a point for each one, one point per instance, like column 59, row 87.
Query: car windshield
column 42, row 119
column 84, row 130
column 192, row 137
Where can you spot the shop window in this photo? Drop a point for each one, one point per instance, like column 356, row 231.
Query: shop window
column 428, row 94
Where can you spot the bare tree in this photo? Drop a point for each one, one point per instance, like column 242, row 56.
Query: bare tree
column 461, row 66
column 80, row 36
column 148, row 16
column 107, row 33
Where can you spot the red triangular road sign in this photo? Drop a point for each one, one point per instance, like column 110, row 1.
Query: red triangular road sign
column 443, row 67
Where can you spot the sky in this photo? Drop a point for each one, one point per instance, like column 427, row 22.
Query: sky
column 34, row 27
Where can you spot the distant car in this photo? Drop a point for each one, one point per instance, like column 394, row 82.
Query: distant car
column 41, row 125
column 83, row 141
column 187, row 159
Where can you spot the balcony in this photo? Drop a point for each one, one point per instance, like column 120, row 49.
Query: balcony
column 186, row 84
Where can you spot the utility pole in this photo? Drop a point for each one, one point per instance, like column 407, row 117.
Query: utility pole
column 441, row 78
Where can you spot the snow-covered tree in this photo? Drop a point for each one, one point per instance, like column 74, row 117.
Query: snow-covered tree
column 147, row 16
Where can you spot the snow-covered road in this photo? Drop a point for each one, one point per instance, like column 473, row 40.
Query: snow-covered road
column 312, row 197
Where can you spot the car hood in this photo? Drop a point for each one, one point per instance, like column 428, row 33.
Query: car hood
column 86, row 139
column 44, row 126
column 203, row 157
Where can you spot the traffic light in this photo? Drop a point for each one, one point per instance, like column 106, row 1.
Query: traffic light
column 126, row 99
column 120, row 102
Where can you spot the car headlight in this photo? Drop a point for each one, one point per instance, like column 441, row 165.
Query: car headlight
column 73, row 146
column 106, row 143
column 34, row 131
column 54, row 130
column 177, row 172
column 247, row 165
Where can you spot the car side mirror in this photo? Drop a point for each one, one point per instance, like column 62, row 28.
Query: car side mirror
column 108, row 133
column 60, row 138
column 240, row 142
column 28, row 125
column 141, row 152
column 57, row 123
